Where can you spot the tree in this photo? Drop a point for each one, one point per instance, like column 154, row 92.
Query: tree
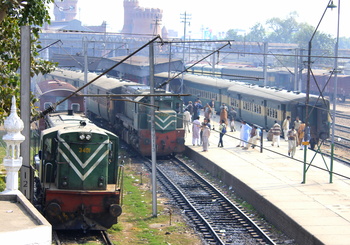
column 257, row 33
column 233, row 35
column 282, row 29
column 13, row 15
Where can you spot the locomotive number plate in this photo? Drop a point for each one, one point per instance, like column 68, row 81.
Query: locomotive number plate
column 162, row 114
column 84, row 150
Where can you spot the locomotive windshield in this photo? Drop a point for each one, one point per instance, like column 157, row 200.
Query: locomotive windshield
column 164, row 105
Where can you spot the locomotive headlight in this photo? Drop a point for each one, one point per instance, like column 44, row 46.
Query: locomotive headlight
column 88, row 137
column 81, row 136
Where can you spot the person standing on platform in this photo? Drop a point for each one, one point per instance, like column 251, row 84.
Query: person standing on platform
column 205, row 136
column 292, row 141
column 189, row 107
column 276, row 133
column 246, row 133
column 197, row 109
column 301, row 132
column 254, row 137
column 285, row 127
column 222, row 131
column 297, row 123
column 212, row 105
column 241, row 136
column 196, row 129
column 307, row 137
column 231, row 117
column 207, row 111
column 187, row 120
column 223, row 113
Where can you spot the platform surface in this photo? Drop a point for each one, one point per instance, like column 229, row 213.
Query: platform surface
column 320, row 207
column 21, row 223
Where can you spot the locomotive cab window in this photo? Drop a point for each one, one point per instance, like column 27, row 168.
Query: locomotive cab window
column 165, row 105
column 47, row 105
column 75, row 107
column 47, row 151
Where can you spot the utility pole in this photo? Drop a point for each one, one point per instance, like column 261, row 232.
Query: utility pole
column 153, row 131
column 266, row 48
column 25, row 187
column 185, row 18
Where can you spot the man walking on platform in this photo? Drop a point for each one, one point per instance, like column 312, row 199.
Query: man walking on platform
column 231, row 116
column 285, row 127
column 276, row 133
column 223, row 113
column 246, row 134
column 196, row 129
column 212, row 105
column 222, row 131
column 297, row 123
column 187, row 120
column 292, row 141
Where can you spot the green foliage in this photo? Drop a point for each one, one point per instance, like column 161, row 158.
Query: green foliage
column 13, row 15
column 288, row 30
column 137, row 213
column 2, row 183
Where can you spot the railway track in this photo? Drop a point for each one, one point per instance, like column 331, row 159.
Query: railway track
column 79, row 237
column 342, row 115
column 213, row 215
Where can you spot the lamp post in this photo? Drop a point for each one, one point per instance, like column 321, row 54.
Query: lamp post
column 331, row 6
column 335, row 96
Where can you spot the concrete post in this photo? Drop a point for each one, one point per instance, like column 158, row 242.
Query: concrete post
column 13, row 138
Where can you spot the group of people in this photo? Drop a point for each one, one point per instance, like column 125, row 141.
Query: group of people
column 201, row 130
column 295, row 133
column 201, row 133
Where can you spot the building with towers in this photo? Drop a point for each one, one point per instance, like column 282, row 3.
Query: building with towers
column 138, row 20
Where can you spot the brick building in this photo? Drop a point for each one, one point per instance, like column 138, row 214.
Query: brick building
column 138, row 20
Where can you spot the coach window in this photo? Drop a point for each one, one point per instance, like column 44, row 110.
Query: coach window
column 75, row 107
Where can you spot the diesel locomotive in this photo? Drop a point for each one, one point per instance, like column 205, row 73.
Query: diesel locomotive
column 129, row 115
column 257, row 104
column 77, row 186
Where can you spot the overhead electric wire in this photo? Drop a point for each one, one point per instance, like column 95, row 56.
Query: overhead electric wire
column 51, row 108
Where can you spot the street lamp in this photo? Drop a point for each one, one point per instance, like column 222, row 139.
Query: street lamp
column 335, row 96
column 330, row 5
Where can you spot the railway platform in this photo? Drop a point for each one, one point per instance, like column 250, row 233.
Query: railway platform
column 314, row 212
column 21, row 223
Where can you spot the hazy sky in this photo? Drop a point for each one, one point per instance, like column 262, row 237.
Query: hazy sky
column 220, row 15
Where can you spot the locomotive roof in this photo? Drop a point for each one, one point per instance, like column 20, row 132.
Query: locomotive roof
column 54, row 85
column 70, row 123
column 201, row 80
column 104, row 81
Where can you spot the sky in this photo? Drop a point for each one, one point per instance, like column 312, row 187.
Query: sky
column 220, row 15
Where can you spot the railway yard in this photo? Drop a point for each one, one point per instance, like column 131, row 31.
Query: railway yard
column 207, row 212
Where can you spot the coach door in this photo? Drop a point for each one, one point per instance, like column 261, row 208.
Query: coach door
column 239, row 108
column 300, row 113
column 265, row 114
column 283, row 112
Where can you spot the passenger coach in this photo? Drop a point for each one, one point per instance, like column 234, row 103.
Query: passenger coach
column 258, row 105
